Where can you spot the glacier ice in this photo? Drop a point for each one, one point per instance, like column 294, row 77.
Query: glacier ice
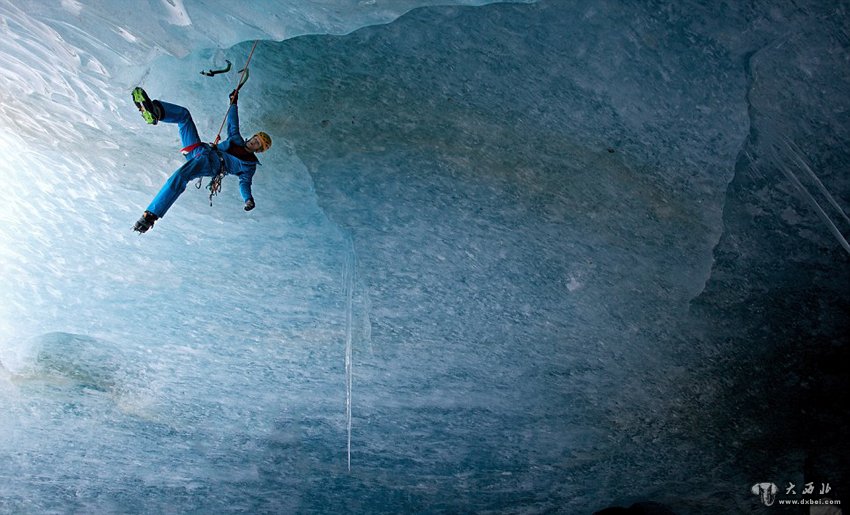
column 511, row 257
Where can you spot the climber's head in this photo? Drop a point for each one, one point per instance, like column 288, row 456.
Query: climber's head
column 259, row 142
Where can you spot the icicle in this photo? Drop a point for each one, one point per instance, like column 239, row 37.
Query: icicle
column 349, row 278
column 806, row 194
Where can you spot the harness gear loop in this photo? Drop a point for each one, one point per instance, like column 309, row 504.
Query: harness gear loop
column 215, row 184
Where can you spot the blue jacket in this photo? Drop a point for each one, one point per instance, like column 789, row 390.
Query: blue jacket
column 233, row 165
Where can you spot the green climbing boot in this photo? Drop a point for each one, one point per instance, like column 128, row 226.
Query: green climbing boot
column 151, row 110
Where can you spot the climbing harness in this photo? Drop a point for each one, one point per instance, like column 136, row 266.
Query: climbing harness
column 185, row 150
column 212, row 73
column 215, row 184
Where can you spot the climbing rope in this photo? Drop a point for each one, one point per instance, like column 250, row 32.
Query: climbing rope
column 242, row 79
column 215, row 184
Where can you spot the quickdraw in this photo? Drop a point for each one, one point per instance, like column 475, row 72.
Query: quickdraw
column 215, row 184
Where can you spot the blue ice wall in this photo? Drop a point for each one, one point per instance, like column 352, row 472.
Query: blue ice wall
column 538, row 257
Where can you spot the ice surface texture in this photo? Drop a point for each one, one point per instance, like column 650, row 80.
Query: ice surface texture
column 552, row 242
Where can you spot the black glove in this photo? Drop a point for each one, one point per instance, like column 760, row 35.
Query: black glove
column 234, row 96
column 249, row 204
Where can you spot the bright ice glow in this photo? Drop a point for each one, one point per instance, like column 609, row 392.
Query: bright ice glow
column 513, row 257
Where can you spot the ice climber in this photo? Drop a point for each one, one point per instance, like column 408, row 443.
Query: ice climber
column 233, row 156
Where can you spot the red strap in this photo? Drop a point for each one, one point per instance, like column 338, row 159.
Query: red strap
column 190, row 148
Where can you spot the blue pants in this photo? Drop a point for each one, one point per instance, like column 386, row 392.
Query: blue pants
column 200, row 162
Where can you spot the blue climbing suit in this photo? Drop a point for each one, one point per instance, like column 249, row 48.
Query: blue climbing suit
column 202, row 159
